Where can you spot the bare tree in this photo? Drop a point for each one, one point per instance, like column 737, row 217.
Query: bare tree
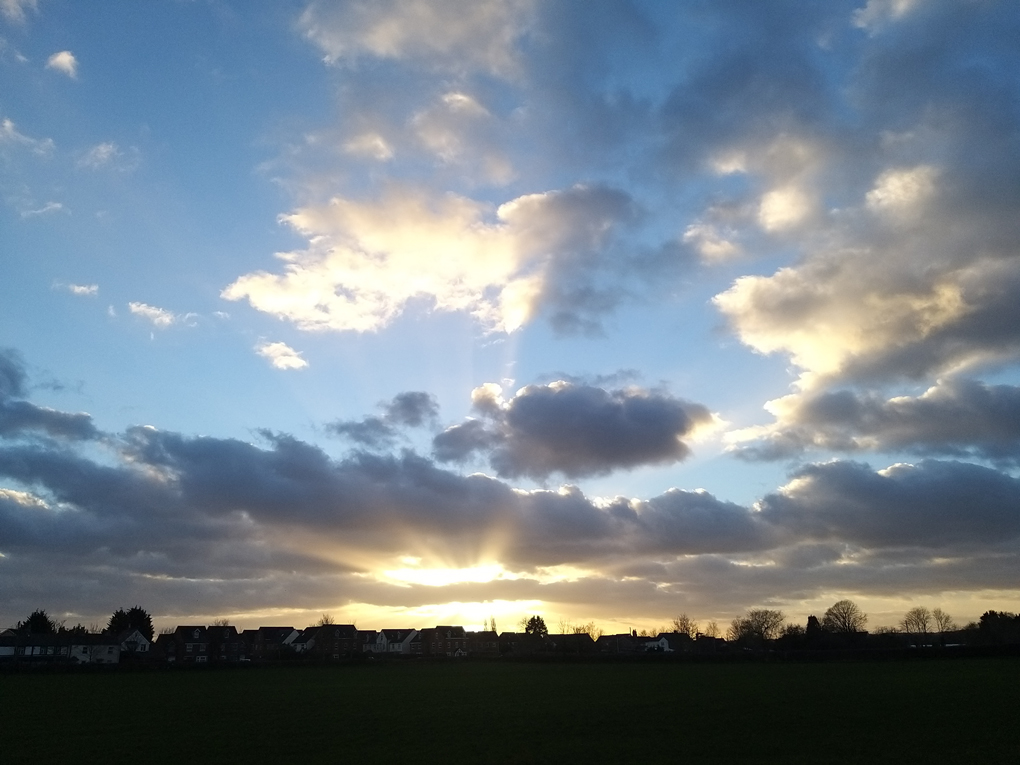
column 917, row 622
column 711, row 629
column 685, row 625
column 757, row 625
column 844, row 616
column 943, row 621
column 588, row 629
column 325, row 620
column 222, row 622
column 491, row 624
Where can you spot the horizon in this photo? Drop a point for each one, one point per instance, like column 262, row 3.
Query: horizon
column 424, row 312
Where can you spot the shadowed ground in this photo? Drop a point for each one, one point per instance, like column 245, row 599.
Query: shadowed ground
column 479, row 712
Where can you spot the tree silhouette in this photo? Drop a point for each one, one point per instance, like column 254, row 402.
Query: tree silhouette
column 917, row 622
column 135, row 617
column 844, row 616
column 759, row 625
column 685, row 625
column 536, row 626
column 38, row 623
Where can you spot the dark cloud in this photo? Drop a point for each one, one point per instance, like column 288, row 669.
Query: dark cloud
column 576, row 430
column 412, row 409
column 931, row 505
column 954, row 418
column 12, row 374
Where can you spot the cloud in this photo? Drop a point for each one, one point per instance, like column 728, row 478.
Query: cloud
column 280, row 355
column 160, row 317
column 575, row 430
column 960, row 418
column 412, row 409
column 47, row 208
column 161, row 515
column 65, row 62
column 445, row 35
column 367, row 261
column 20, row 418
column 109, row 155
column 9, row 135
column 79, row 289
column 15, row 10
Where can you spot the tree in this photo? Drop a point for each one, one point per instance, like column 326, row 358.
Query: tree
column 917, row 622
column 758, row 625
column 135, row 618
column 535, row 625
column 943, row 621
column 491, row 624
column 222, row 622
column 325, row 620
column 685, row 625
column 844, row 616
column 588, row 629
column 711, row 629
column 37, row 623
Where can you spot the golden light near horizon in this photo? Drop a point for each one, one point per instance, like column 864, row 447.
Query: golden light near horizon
column 442, row 576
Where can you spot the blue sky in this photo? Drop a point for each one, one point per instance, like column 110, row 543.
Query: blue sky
column 418, row 311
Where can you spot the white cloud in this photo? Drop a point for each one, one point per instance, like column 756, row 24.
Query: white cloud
column 448, row 34
column 711, row 244
column 902, row 190
column 15, row 9
column 879, row 13
column 158, row 316
column 281, row 355
column 367, row 260
column 82, row 289
column 49, row 207
column 370, row 145
column 9, row 135
column 108, row 154
column 65, row 62
column 783, row 208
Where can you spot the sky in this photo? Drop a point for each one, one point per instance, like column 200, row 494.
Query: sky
column 422, row 312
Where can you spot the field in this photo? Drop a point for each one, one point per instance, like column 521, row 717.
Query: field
column 957, row 711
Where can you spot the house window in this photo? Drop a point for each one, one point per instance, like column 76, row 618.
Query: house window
column 188, row 648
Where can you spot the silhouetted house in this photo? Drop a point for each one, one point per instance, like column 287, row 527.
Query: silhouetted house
column 42, row 649
column 670, row 642
column 569, row 643
column 444, row 640
column 8, row 643
column 331, row 641
column 521, row 644
column 624, row 643
column 269, row 643
column 484, row 643
column 394, row 642
column 225, row 644
column 367, row 640
column 134, row 643
column 97, row 649
column 185, row 645
column 703, row 644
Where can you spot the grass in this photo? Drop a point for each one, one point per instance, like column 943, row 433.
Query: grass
column 477, row 712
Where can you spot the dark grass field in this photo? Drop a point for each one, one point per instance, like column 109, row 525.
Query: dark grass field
column 952, row 711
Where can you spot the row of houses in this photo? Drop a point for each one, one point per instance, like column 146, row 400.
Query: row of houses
column 224, row 644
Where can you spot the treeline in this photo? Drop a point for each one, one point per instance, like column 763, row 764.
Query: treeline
column 136, row 617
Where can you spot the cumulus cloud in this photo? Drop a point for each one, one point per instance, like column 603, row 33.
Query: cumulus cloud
column 411, row 409
column 280, row 355
column 20, row 418
column 962, row 418
column 65, row 62
column 446, row 35
column 367, row 260
column 173, row 511
column 160, row 317
column 575, row 430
